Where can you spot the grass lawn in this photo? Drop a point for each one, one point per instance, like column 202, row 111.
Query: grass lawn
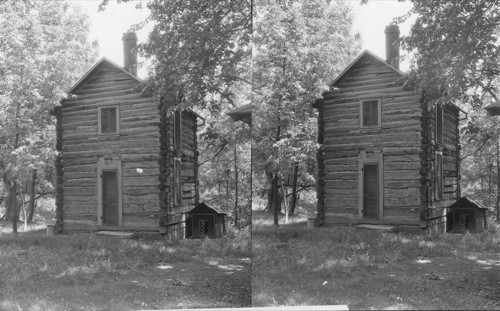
column 92, row 272
column 369, row 269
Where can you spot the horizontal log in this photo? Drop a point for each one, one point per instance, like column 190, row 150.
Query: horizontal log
column 341, row 168
column 80, row 174
column 107, row 87
column 396, row 166
column 72, row 208
column 335, row 175
column 81, row 182
column 336, row 201
column 374, row 145
column 401, row 184
column 124, row 141
column 335, row 184
column 403, row 193
column 92, row 102
column 353, row 214
column 401, row 175
column 82, row 227
column 402, row 202
column 333, row 221
column 369, row 93
column 80, row 192
column 140, row 181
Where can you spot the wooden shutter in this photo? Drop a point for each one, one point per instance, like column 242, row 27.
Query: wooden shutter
column 439, row 175
column 439, row 124
column 177, row 182
column 177, row 130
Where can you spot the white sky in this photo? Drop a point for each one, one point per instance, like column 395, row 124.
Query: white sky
column 370, row 21
column 108, row 27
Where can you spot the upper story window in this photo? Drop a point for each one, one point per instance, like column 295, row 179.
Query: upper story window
column 177, row 130
column 370, row 113
column 439, row 124
column 108, row 120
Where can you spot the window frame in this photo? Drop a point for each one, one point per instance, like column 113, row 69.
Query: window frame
column 117, row 120
column 361, row 113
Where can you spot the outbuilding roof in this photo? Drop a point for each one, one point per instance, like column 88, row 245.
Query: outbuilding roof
column 204, row 208
column 466, row 202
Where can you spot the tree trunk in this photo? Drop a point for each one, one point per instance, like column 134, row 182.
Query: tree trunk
column 25, row 212
column 15, row 213
column 284, row 194
column 276, row 201
column 32, row 197
column 235, row 187
column 498, row 179
column 294, row 189
column 8, row 205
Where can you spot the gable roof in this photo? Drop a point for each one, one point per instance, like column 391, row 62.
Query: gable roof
column 104, row 61
column 204, row 208
column 362, row 56
column 94, row 68
column 465, row 202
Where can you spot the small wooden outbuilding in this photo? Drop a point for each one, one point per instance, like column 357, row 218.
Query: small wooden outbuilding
column 205, row 221
column 466, row 215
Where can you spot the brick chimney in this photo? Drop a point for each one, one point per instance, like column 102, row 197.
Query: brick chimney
column 392, row 45
column 130, row 52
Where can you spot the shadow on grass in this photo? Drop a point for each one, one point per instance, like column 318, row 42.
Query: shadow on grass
column 363, row 268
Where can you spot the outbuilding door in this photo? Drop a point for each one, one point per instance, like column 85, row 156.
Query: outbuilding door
column 110, row 197
column 370, row 191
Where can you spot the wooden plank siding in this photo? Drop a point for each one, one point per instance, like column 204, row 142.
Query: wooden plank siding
column 135, row 148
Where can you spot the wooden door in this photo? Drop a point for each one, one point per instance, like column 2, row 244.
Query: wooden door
column 203, row 228
column 370, row 191
column 109, row 198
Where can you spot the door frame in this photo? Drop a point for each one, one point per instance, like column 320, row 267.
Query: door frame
column 371, row 158
column 109, row 164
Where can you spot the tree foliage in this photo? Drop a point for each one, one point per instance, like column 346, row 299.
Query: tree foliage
column 200, row 53
column 298, row 46
column 457, row 49
column 224, row 167
column 43, row 50
column 198, row 49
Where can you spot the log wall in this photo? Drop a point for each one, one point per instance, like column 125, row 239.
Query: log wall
column 135, row 148
column 397, row 141
column 433, row 211
column 173, row 216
